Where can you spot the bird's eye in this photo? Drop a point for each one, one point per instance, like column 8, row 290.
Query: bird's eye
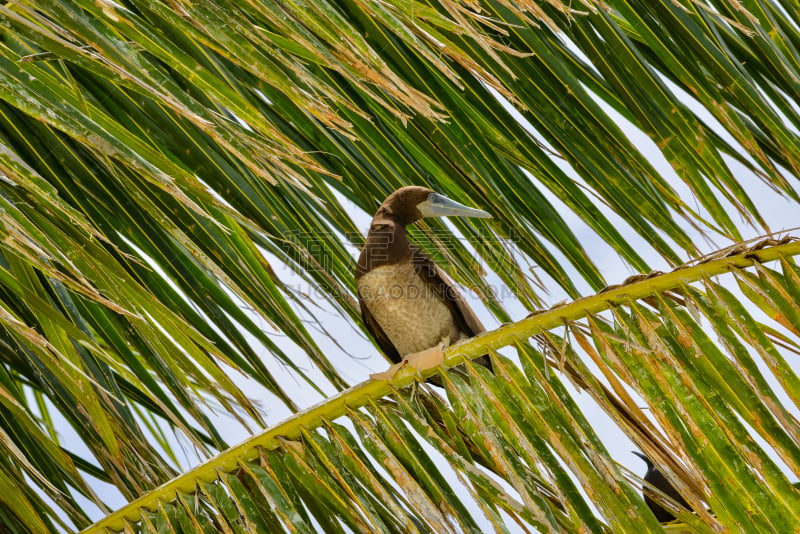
column 378, row 227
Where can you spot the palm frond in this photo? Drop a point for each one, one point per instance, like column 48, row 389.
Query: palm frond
column 168, row 170
column 651, row 338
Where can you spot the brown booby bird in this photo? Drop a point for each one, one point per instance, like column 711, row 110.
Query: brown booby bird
column 656, row 479
column 407, row 302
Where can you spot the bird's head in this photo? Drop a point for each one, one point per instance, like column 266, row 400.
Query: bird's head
column 412, row 203
column 647, row 461
column 387, row 241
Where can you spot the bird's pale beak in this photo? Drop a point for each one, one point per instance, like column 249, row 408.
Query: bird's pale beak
column 440, row 206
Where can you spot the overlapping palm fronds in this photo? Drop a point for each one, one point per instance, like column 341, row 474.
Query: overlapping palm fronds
column 160, row 161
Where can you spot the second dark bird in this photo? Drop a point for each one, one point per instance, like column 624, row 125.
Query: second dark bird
column 656, row 479
column 407, row 302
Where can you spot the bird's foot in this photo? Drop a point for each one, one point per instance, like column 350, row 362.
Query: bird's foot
column 390, row 372
column 428, row 358
column 420, row 361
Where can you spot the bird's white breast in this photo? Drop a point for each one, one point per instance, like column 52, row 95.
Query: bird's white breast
column 405, row 307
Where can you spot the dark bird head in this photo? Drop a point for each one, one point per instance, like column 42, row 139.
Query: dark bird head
column 412, row 203
column 656, row 479
column 387, row 241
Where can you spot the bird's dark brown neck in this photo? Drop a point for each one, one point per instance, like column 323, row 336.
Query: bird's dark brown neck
column 384, row 247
